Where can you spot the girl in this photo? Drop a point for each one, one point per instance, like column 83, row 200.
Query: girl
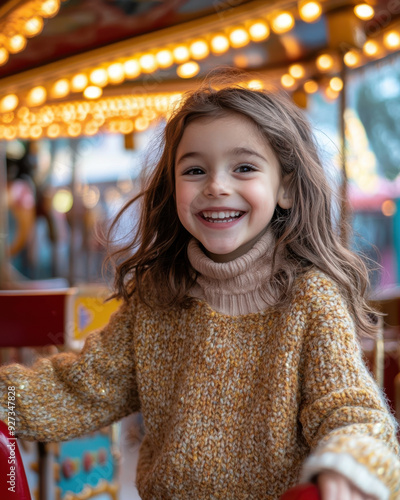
column 237, row 336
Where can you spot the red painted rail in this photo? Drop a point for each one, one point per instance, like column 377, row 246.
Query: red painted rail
column 13, row 483
column 302, row 492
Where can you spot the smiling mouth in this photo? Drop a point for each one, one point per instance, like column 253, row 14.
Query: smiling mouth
column 221, row 216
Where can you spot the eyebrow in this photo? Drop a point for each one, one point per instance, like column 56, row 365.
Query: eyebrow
column 235, row 152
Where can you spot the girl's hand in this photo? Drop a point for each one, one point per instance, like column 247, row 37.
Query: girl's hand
column 334, row 486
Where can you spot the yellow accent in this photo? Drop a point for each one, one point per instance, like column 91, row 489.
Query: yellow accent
column 98, row 312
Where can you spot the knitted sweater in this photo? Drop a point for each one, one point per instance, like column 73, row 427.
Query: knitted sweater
column 235, row 407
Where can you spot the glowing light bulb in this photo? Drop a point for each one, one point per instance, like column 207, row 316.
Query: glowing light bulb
column 53, row 131
column 99, row 77
column 287, row 80
column 331, row 94
column 33, row 26
column 255, row 85
column 199, row 49
column 297, row 70
column 50, row 8
column 310, row 86
column 92, row 92
column 181, row 53
column 388, row 208
column 239, row 38
column 310, row 11
column 79, row 82
column 141, row 123
column 148, row 63
column 391, row 40
column 259, row 31
column 324, row 62
column 132, row 68
column 164, row 58
column 371, row 48
column 16, row 43
column 62, row 201
column 336, row 84
column 188, row 70
column 74, row 129
column 3, row 55
column 351, row 58
column 8, row 103
column 219, row 44
column 61, row 88
column 36, row 96
column 35, row 131
column 116, row 73
column 364, row 11
column 282, row 22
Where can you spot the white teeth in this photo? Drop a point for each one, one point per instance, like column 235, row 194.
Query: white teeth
column 221, row 215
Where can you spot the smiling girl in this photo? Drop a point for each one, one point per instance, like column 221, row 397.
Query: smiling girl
column 237, row 338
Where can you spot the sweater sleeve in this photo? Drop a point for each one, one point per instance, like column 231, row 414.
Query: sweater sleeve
column 344, row 416
column 67, row 395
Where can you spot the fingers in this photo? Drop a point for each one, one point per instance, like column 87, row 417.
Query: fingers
column 334, row 486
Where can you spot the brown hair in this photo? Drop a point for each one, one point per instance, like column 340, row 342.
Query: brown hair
column 156, row 257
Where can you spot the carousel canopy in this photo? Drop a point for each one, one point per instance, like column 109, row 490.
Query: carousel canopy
column 82, row 66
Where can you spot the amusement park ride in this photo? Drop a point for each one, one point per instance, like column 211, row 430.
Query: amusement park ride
column 78, row 68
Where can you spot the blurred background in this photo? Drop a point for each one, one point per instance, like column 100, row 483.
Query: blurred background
column 86, row 86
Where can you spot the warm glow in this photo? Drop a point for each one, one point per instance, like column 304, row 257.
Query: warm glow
column 336, row 84
column 92, row 92
column 364, row 11
column 219, row 44
column 16, row 43
column 37, row 96
column 74, row 129
column 371, row 48
column 188, row 70
column 351, row 58
column 61, row 88
column 141, row 123
column 91, row 128
column 391, row 40
column 33, row 26
column 53, row 131
column 255, row 85
column 310, row 86
column 3, row 55
column 282, row 22
column 116, row 73
column 126, row 126
column 310, row 11
column 297, row 70
column 132, row 68
column 388, row 208
column 99, row 77
column 35, row 131
column 50, row 8
column 287, row 80
column 199, row 49
column 10, row 133
column 148, row 63
column 324, row 62
column 8, row 103
column 239, row 38
column 79, row 82
column 164, row 58
column 63, row 201
column 259, row 31
column 181, row 53
column 331, row 94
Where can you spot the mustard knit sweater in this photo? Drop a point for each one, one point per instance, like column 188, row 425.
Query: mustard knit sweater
column 235, row 406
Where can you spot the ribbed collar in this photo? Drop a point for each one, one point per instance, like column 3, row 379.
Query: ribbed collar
column 236, row 287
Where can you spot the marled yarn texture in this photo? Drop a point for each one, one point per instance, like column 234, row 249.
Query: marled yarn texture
column 232, row 405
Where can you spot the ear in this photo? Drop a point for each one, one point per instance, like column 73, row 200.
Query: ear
column 284, row 197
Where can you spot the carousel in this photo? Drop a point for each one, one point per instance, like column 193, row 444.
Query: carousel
column 75, row 71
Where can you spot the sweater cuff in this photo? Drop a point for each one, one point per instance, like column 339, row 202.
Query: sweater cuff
column 348, row 467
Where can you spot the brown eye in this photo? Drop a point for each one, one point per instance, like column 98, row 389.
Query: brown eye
column 245, row 168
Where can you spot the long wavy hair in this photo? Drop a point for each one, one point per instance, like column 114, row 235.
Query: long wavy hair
column 154, row 262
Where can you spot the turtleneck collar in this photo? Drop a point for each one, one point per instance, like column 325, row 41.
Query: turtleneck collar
column 236, row 287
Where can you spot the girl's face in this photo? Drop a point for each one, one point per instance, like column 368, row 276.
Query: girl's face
column 228, row 183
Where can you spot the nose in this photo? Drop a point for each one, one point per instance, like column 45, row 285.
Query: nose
column 217, row 185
